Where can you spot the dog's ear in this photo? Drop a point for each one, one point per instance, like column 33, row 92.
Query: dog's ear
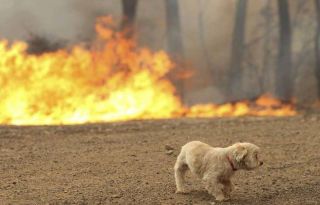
column 240, row 152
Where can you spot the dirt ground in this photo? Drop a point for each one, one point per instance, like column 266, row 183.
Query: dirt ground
column 127, row 163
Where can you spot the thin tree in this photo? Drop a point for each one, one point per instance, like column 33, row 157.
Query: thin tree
column 129, row 8
column 266, row 43
column 174, row 38
column 237, row 50
column 284, row 82
column 317, row 44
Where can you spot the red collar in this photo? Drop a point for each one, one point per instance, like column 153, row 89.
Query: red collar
column 231, row 164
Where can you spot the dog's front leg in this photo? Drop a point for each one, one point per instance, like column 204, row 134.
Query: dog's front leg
column 228, row 187
column 215, row 187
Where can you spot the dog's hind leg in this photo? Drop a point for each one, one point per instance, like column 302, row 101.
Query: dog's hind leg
column 180, row 169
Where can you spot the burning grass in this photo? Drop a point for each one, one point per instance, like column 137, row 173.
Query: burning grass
column 110, row 81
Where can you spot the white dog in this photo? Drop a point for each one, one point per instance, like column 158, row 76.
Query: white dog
column 215, row 165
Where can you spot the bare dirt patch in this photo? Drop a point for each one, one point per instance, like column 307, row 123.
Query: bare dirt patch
column 129, row 163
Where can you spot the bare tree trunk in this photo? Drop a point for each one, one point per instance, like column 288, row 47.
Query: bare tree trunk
column 129, row 8
column 317, row 45
column 173, row 28
column 284, row 82
column 174, row 38
column 235, row 72
column 201, row 34
column 266, row 45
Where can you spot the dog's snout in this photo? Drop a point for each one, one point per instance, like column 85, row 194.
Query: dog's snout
column 261, row 163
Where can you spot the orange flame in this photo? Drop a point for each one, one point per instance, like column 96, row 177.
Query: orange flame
column 112, row 81
column 265, row 105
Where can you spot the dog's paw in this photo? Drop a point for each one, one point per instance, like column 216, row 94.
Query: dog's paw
column 222, row 198
column 182, row 192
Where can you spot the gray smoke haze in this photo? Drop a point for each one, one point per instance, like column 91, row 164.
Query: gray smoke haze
column 69, row 20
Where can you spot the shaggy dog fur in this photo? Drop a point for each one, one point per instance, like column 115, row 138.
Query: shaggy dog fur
column 215, row 165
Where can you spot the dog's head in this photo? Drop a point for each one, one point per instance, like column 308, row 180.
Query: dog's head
column 246, row 155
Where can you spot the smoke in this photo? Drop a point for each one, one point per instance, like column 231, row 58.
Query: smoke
column 67, row 20
column 205, row 37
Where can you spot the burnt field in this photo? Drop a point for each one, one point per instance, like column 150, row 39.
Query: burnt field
column 129, row 162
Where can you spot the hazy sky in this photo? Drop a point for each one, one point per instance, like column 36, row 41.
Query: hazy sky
column 59, row 19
